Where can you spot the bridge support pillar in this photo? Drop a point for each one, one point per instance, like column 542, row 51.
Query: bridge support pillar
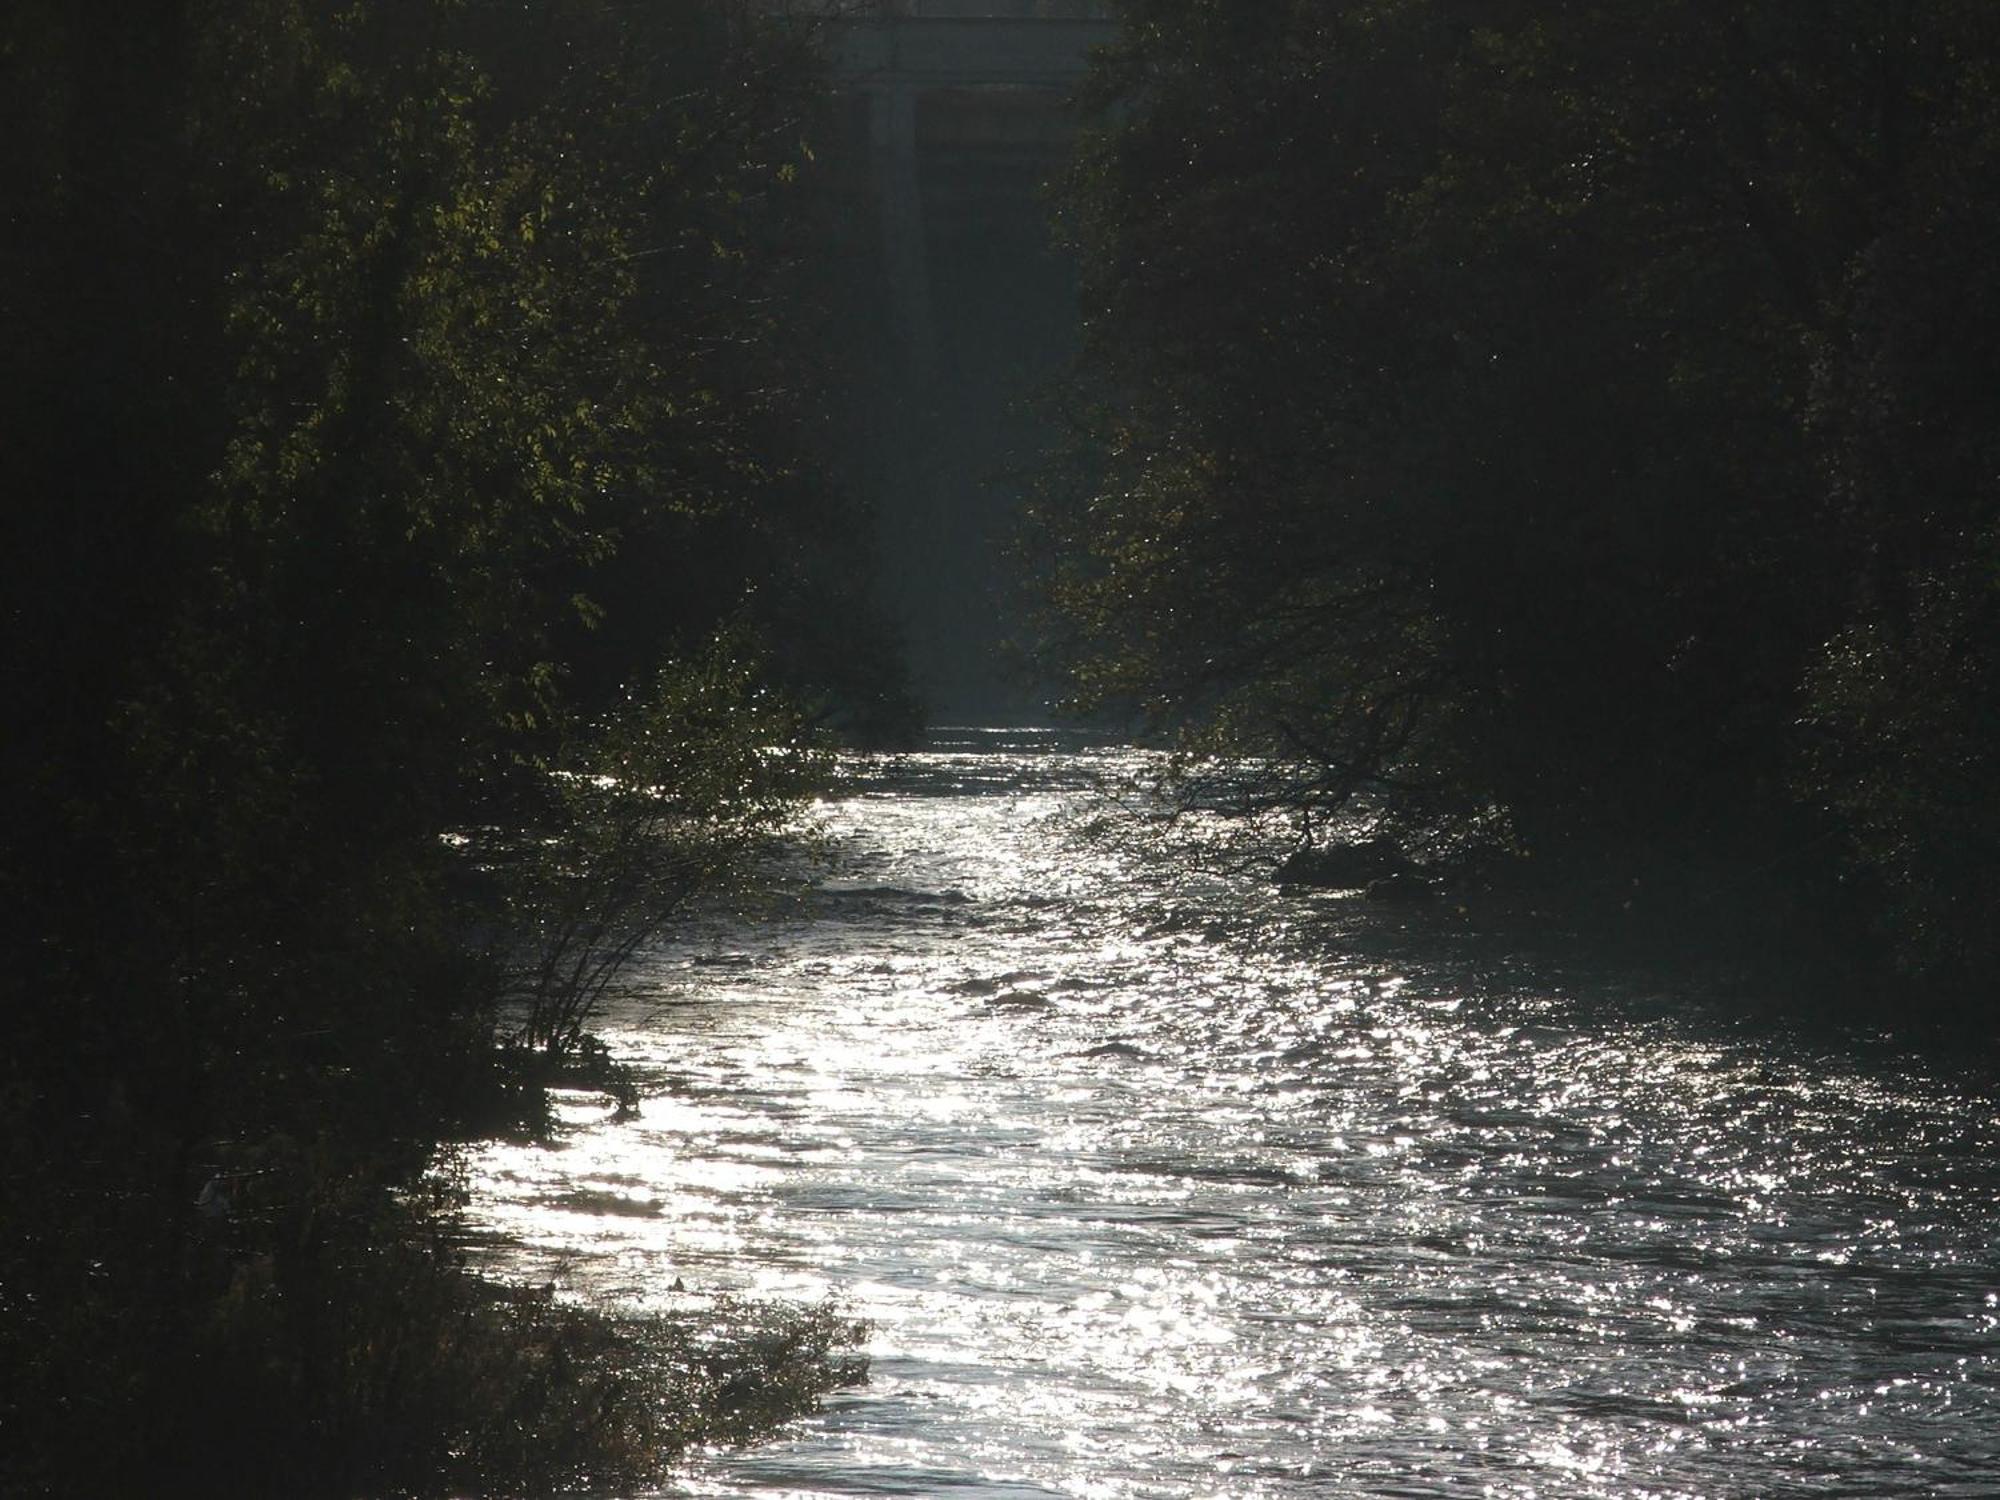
column 892, row 131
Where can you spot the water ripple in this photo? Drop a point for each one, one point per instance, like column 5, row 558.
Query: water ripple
column 1156, row 1183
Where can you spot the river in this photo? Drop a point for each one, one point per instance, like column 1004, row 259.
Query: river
column 1152, row 1181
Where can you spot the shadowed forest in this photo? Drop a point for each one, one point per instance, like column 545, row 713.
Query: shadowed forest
column 1566, row 435
column 1577, row 427
column 418, row 571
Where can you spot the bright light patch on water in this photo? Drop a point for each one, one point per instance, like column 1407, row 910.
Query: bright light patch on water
column 1154, row 1183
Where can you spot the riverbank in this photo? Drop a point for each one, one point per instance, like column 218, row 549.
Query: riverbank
column 1783, row 940
column 1809, row 955
column 302, row 1327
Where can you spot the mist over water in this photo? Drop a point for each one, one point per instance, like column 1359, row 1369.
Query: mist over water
column 1155, row 1183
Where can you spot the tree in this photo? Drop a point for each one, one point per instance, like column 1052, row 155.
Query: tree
column 346, row 345
column 1453, row 371
column 1898, row 736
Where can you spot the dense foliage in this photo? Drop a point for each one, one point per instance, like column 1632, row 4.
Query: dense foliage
column 398, row 407
column 1579, row 419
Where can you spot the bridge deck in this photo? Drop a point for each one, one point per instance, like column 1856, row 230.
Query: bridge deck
column 965, row 51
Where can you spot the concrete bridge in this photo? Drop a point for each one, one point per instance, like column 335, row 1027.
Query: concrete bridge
column 931, row 43
column 964, row 100
column 955, row 114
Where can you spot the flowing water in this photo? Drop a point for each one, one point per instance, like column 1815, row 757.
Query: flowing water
column 1154, row 1182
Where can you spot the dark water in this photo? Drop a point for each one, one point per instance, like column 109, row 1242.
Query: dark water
column 1152, row 1185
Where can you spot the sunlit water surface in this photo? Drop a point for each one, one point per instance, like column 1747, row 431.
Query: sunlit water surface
column 1153, row 1182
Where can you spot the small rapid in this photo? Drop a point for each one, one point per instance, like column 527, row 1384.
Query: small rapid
column 1151, row 1181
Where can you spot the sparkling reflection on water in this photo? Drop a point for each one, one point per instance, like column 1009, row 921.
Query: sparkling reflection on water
column 1153, row 1183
